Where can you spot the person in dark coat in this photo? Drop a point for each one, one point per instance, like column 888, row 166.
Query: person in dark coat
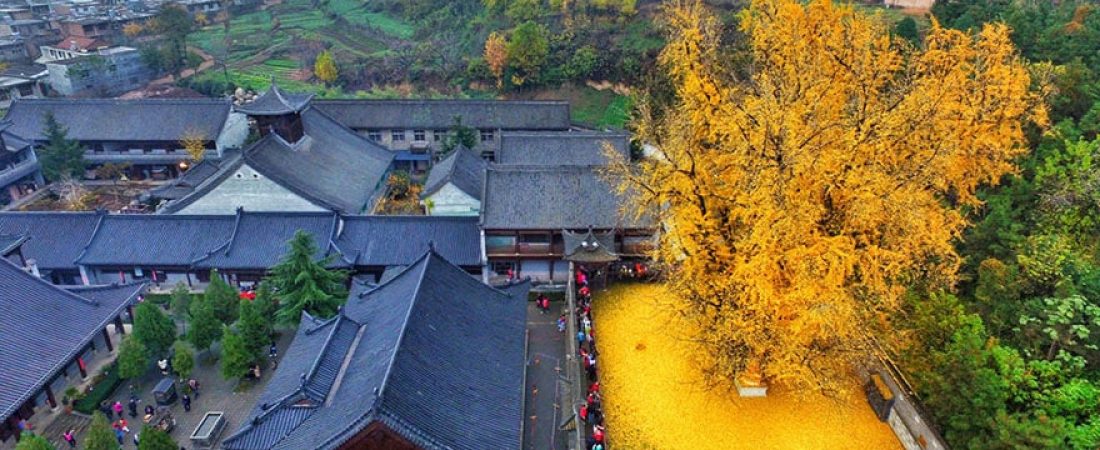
column 186, row 400
column 132, row 405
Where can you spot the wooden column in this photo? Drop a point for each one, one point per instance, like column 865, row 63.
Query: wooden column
column 107, row 338
column 50, row 397
column 82, row 367
column 118, row 325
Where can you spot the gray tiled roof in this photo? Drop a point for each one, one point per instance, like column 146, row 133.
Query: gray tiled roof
column 589, row 246
column 34, row 352
column 56, row 238
column 248, row 240
column 10, row 242
column 400, row 240
column 421, row 363
column 331, row 166
column 259, row 239
column 552, row 198
column 439, row 114
column 275, row 102
column 463, row 168
column 121, row 120
column 195, row 177
column 155, row 240
column 581, row 148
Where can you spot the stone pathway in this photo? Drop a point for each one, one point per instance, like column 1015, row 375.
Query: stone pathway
column 545, row 379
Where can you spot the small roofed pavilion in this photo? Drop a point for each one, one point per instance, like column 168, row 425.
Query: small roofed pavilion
column 592, row 249
column 49, row 335
column 279, row 112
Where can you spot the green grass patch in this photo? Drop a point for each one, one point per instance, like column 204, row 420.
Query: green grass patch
column 601, row 108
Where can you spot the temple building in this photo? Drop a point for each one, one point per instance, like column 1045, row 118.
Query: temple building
column 415, row 363
column 52, row 338
column 453, row 187
column 304, row 161
column 144, row 134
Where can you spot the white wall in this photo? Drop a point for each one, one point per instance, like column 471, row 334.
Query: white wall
column 451, row 201
column 250, row 190
column 234, row 132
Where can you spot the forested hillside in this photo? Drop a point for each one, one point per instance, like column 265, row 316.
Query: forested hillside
column 1012, row 359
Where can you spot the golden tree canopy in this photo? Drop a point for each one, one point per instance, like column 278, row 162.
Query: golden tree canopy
column 802, row 200
column 325, row 67
column 194, row 142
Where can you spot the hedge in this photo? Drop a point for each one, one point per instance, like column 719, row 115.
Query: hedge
column 100, row 391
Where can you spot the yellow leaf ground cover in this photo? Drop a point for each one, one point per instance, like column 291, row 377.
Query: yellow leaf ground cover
column 654, row 398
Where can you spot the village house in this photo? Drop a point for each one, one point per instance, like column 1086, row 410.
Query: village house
column 415, row 363
column 150, row 151
column 21, row 81
column 53, row 338
column 101, row 72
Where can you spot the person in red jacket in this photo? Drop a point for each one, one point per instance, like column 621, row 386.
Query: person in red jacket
column 584, row 413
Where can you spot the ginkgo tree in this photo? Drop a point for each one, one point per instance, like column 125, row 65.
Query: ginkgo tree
column 801, row 197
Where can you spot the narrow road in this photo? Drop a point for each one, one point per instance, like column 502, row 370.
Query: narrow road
column 207, row 62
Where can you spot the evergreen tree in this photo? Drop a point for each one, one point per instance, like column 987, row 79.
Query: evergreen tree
column 236, row 357
column 133, row 358
column 152, row 438
column 254, row 329
column 265, row 304
column 527, row 52
column 302, row 283
column 205, row 326
column 222, row 298
column 907, row 29
column 459, row 135
column 183, row 359
column 181, row 301
column 31, row 441
column 60, row 157
column 100, row 436
column 154, row 329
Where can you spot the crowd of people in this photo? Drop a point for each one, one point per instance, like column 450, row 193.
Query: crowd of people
column 591, row 412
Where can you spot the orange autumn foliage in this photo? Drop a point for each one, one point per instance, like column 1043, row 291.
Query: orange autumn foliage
column 801, row 200
column 496, row 55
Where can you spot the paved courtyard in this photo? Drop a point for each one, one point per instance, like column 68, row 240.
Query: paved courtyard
column 216, row 394
column 546, row 389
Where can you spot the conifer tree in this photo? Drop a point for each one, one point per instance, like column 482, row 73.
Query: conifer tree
column 302, row 283
column 254, row 329
column 31, row 441
column 100, row 436
column 154, row 329
column 205, row 326
column 152, row 438
column 181, row 301
column 183, row 359
column 60, row 157
column 222, row 298
column 236, row 357
column 133, row 358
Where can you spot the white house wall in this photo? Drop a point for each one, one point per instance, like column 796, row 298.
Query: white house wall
column 234, row 132
column 451, row 201
column 250, row 190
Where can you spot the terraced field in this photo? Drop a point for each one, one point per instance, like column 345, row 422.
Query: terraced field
column 271, row 41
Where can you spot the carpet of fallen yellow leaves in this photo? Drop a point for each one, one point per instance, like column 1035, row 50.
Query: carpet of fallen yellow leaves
column 654, row 396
